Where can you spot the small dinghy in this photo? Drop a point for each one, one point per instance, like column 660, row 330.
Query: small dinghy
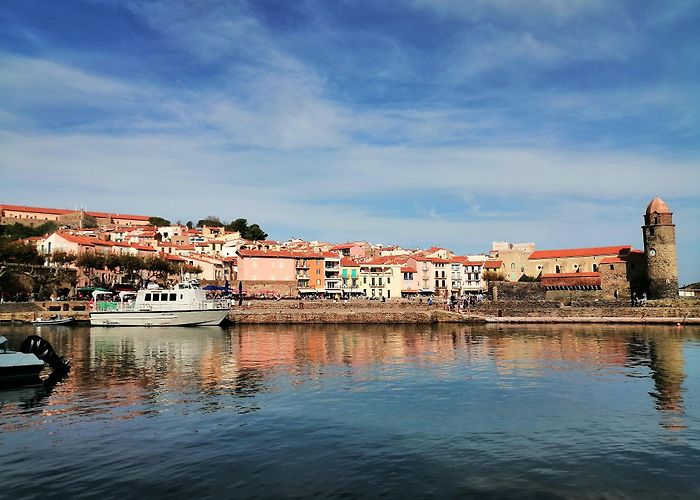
column 24, row 366
column 53, row 320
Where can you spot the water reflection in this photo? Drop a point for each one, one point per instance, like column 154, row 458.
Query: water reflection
column 148, row 371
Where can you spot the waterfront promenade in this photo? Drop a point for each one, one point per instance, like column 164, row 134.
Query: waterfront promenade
column 407, row 312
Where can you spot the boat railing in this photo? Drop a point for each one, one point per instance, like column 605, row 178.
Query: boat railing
column 164, row 306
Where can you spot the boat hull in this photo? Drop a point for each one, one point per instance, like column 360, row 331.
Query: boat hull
column 18, row 367
column 49, row 322
column 200, row 317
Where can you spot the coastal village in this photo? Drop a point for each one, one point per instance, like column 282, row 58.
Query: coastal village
column 296, row 268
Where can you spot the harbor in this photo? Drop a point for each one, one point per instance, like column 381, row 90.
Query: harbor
column 360, row 411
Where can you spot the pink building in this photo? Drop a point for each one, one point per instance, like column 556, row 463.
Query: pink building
column 352, row 250
column 257, row 265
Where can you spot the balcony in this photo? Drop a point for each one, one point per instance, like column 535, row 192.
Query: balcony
column 302, row 264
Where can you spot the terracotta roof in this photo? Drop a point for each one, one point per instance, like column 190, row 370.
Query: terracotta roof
column 145, row 248
column 434, row 260
column 24, row 208
column 262, row 253
column 571, row 279
column 348, row 262
column 493, row 264
column 80, row 240
column 170, row 256
column 118, row 216
column 612, row 260
column 64, row 211
column 579, row 252
column 464, row 260
column 387, row 260
column 408, row 270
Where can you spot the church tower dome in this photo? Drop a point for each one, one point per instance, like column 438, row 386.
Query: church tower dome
column 657, row 205
column 660, row 250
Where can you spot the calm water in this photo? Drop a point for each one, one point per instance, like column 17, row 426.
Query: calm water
column 359, row 412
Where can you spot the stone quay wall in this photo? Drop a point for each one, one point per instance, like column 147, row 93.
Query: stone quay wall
column 398, row 312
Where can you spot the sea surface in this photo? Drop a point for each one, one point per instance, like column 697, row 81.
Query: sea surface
column 358, row 412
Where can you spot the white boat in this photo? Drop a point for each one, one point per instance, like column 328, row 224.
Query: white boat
column 18, row 367
column 185, row 305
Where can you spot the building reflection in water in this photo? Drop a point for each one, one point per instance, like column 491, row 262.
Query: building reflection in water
column 142, row 368
column 667, row 369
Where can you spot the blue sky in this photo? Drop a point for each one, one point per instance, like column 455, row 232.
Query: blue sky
column 414, row 122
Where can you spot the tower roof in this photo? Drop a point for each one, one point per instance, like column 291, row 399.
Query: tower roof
column 659, row 206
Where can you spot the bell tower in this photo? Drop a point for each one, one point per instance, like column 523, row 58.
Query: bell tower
column 660, row 250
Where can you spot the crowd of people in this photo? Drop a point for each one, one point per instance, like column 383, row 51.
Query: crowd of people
column 638, row 301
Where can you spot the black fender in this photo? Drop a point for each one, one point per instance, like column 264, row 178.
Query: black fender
column 42, row 349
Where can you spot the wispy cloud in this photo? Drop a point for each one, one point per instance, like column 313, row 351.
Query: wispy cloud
column 416, row 123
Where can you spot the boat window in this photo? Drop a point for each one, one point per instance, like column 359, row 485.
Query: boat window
column 163, row 297
column 156, row 297
column 173, row 296
column 147, row 297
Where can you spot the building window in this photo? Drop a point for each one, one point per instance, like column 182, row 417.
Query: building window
column 595, row 267
column 558, row 270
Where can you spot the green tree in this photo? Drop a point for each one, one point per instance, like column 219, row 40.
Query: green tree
column 255, row 233
column 158, row 221
column 190, row 269
column 210, row 221
column 90, row 263
column 159, row 268
column 19, row 264
column 18, row 231
column 19, row 253
column 240, row 225
column 62, row 259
